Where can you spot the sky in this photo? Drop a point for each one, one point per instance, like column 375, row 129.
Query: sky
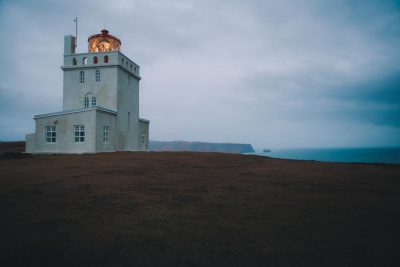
column 275, row 74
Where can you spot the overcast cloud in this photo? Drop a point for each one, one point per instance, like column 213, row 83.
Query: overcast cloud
column 270, row 73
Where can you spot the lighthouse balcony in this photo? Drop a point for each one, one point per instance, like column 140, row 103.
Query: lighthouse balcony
column 101, row 59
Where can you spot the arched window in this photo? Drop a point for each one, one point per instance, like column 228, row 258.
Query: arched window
column 93, row 101
column 95, row 60
column 86, row 102
column 82, row 77
column 97, row 75
column 105, row 59
column 74, row 61
column 84, row 61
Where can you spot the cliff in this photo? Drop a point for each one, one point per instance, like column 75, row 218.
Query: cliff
column 200, row 146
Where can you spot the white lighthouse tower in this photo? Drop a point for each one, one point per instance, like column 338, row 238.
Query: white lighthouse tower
column 100, row 103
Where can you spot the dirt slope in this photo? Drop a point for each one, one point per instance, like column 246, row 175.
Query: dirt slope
column 196, row 209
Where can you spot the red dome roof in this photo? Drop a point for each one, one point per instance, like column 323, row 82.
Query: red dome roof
column 103, row 38
column 104, row 33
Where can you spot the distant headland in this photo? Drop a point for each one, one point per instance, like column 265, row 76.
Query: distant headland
column 200, row 146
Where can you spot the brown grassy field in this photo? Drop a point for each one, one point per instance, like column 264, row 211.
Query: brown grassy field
column 195, row 209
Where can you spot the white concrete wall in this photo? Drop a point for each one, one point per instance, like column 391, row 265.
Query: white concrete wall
column 105, row 91
column 128, row 111
column 69, row 44
column 65, row 142
column 144, row 135
column 110, row 120
column 128, row 64
column 30, row 144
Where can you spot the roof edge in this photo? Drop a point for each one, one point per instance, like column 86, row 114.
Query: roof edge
column 65, row 112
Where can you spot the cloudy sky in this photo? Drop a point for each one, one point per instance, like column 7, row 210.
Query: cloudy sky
column 270, row 73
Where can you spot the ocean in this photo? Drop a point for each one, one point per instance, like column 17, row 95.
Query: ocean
column 363, row 155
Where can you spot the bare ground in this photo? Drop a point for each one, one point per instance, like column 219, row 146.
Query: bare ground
column 195, row 209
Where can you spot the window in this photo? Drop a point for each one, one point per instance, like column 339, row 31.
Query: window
column 97, row 75
column 131, row 67
column 105, row 59
column 105, row 134
column 95, row 60
column 50, row 134
column 86, row 102
column 122, row 61
column 84, row 61
column 93, row 101
column 74, row 61
column 79, row 133
column 127, row 64
column 82, row 77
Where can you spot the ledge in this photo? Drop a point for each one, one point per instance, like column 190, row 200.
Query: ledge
column 99, row 66
column 76, row 111
column 144, row 120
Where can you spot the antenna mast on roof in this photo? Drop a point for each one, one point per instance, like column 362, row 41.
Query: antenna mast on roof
column 76, row 32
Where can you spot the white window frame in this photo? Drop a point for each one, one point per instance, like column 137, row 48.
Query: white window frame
column 86, row 102
column 50, row 134
column 106, row 130
column 97, row 76
column 94, row 101
column 79, row 133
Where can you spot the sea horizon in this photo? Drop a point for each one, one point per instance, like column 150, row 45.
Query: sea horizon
column 386, row 155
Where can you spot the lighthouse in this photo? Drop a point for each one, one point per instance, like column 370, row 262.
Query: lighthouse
column 100, row 103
